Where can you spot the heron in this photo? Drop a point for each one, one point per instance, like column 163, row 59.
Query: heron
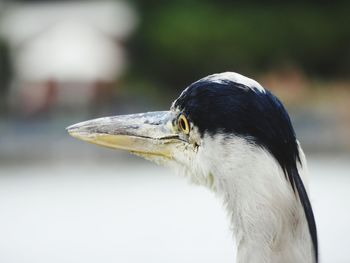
column 228, row 133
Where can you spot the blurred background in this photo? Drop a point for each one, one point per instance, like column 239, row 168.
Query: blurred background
column 62, row 62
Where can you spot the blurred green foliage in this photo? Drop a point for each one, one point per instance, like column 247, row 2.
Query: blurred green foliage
column 179, row 41
column 5, row 74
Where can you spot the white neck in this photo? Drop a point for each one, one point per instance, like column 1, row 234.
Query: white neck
column 267, row 218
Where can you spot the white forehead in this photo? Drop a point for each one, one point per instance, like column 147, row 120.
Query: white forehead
column 234, row 77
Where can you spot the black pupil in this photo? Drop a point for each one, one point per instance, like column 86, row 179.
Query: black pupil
column 182, row 124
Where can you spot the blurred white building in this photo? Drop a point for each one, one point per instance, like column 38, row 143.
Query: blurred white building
column 65, row 53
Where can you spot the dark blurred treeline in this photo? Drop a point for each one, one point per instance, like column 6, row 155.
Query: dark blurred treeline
column 5, row 74
column 180, row 41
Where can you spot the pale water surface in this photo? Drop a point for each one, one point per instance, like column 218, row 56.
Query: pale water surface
column 139, row 212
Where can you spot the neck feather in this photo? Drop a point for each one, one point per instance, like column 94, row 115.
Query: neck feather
column 267, row 217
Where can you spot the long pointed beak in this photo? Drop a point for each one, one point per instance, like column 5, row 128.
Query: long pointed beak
column 150, row 133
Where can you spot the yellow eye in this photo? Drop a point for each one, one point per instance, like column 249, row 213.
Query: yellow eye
column 183, row 124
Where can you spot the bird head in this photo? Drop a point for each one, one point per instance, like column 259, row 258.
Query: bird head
column 227, row 132
column 221, row 117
